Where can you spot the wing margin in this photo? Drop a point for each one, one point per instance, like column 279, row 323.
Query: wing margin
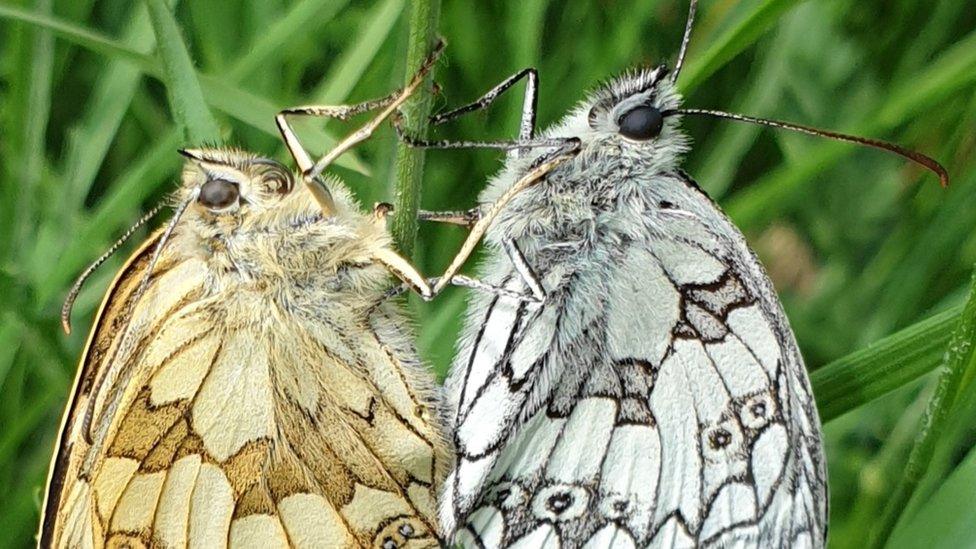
column 114, row 306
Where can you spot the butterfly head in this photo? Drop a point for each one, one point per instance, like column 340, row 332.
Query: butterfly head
column 227, row 181
column 251, row 215
column 631, row 114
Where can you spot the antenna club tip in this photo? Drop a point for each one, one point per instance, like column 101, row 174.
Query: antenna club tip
column 938, row 169
column 66, row 326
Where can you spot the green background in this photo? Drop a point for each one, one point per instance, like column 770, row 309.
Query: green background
column 872, row 259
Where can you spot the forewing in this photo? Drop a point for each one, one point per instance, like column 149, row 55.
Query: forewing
column 118, row 331
column 191, row 423
column 498, row 387
column 673, row 410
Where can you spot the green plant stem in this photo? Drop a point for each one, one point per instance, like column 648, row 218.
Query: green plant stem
column 410, row 162
column 183, row 89
column 957, row 362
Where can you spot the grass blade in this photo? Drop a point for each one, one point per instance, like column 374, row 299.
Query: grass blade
column 948, row 521
column 81, row 36
column 346, row 72
column 957, row 364
column 233, row 101
column 733, row 42
column 953, row 70
column 882, row 367
column 10, row 337
column 185, row 96
column 302, row 16
column 35, row 127
column 89, row 141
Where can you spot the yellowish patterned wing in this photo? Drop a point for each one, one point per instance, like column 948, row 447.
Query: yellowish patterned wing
column 72, row 445
column 214, row 418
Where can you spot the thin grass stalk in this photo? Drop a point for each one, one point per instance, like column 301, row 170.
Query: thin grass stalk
column 409, row 167
column 958, row 355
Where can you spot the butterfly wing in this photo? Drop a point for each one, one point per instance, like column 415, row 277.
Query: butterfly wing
column 211, row 420
column 112, row 314
column 656, row 399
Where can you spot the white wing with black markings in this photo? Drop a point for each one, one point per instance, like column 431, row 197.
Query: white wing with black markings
column 656, row 398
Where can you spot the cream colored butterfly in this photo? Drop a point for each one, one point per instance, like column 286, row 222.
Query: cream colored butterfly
column 247, row 382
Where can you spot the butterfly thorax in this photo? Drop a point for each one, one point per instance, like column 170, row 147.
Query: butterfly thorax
column 292, row 249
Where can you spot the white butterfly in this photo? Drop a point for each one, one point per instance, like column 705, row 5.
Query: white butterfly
column 656, row 397
column 652, row 394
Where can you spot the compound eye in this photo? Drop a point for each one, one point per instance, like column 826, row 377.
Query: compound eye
column 641, row 123
column 218, row 194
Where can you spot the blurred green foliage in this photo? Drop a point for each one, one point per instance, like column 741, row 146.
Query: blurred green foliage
column 860, row 244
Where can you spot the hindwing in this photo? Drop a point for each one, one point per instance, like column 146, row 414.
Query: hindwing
column 190, row 424
column 656, row 399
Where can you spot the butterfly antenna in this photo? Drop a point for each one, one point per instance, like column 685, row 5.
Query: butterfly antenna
column 69, row 301
column 158, row 251
column 919, row 158
column 685, row 40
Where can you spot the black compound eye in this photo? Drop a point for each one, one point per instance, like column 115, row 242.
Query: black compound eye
column 641, row 123
column 217, row 194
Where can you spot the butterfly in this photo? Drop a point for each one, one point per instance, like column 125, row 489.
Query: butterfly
column 652, row 394
column 248, row 382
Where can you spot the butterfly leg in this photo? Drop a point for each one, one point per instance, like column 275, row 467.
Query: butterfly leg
column 537, row 173
column 388, row 104
column 466, row 282
column 530, row 102
column 526, row 125
column 478, row 221
column 503, row 144
column 524, row 270
column 413, row 280
column 466, row 218
column 475, row 284
column 406, row 272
